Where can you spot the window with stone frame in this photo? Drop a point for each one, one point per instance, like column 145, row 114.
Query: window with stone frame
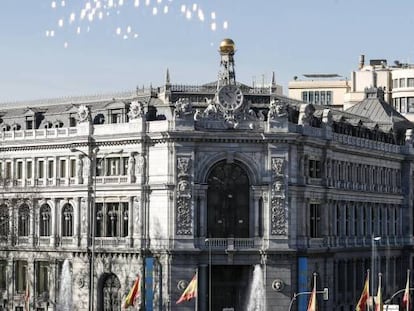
column 314, row 167
column 42, row 277
column 23, row 222
column 112, row 219
column 44, row 220
column 315, row 225
column 4, row 221
column 3, row 274
column 20, row 275
column 67, row 220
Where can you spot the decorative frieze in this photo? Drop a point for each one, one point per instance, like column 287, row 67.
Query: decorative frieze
column 183, row 192
column 278, row 203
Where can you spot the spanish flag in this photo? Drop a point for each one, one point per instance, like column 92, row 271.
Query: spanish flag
column 312, row 300
column 132, row 295
column 190, row 292
column 363, row 300
column 27, row 297
column 406, row 298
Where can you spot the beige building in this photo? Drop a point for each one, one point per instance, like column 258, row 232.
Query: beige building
column 320, row 89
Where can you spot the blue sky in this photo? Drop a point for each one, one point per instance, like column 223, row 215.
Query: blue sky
column 289, row 37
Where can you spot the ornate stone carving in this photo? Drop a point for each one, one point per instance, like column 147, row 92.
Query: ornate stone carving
column 80, row 278
column 278, row 216
column 136, row 110
column 183, row 108
column 83, row 113
column 183, row 192
column 278, row 166
column 278, row 204
column 277, row 109
column 306, row 114
column 183, row 166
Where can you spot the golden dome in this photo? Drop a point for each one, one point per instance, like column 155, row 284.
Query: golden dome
column 227, row 46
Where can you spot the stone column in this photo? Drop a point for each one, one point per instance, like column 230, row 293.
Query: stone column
column 203, row 279
column 53, row 222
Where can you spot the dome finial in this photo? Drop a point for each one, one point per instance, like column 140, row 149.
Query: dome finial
column 227, row 46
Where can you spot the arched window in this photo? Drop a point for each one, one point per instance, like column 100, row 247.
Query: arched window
column 4, row 221
column 67, row 220
column 110, row 294
column 112, row 219
column 23, row 221
column 228, row 201
column 44, row 220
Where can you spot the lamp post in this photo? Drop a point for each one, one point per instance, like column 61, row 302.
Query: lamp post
column 92, row 210
column 373, row 265
column 209, row 273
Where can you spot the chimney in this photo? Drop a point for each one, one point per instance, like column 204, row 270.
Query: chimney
column 361, row 61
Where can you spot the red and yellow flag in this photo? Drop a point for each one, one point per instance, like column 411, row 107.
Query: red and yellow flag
column 363, row 300
column 406, row 298
column 27, row 297
column 132, row 295
column 190, row 292
column 312, row 300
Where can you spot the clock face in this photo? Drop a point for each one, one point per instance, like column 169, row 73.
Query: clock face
column 230, row 97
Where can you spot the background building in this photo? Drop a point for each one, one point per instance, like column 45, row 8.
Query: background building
column 236, row 183
column 320, row 89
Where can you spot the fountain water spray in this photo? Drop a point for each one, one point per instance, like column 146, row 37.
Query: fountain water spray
column 65, row 289
column 256, row 298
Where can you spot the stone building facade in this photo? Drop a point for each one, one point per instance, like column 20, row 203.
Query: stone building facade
column 216, row 179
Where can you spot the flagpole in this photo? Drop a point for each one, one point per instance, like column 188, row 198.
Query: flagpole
column 196, row 302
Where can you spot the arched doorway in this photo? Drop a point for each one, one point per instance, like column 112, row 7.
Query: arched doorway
column 228, row 201
column 109, row 293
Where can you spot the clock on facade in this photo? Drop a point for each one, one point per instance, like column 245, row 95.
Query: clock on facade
column 230, row 97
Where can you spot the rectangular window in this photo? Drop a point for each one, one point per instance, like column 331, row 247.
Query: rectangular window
column 410, row 104
column 315, row 221
column 29, row 123
column 19, row 172
column 62, row 168
column 410, row 82
column 112, row 166
column 40, row 169
column 395, row 83
column 305, row 96
column 124, row 171
column 329, row 97
column 310, row 100
column 72, row 120
column 8, row 170
column 42, row 278
column 403, row 105
column 3, row 274
column 323, row 95
column 402, row 82
column 29, row 167
column 116, row 115
column 316, row 97
column 72, row 167
column 314, row 169
column 20, row 275
column 50, row 169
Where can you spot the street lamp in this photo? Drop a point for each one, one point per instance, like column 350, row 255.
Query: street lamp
column 92, row 210
column 373, row 261
column 209, row 273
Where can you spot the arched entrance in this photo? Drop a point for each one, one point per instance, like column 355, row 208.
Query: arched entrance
column 109, row 293
column 228, row 201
